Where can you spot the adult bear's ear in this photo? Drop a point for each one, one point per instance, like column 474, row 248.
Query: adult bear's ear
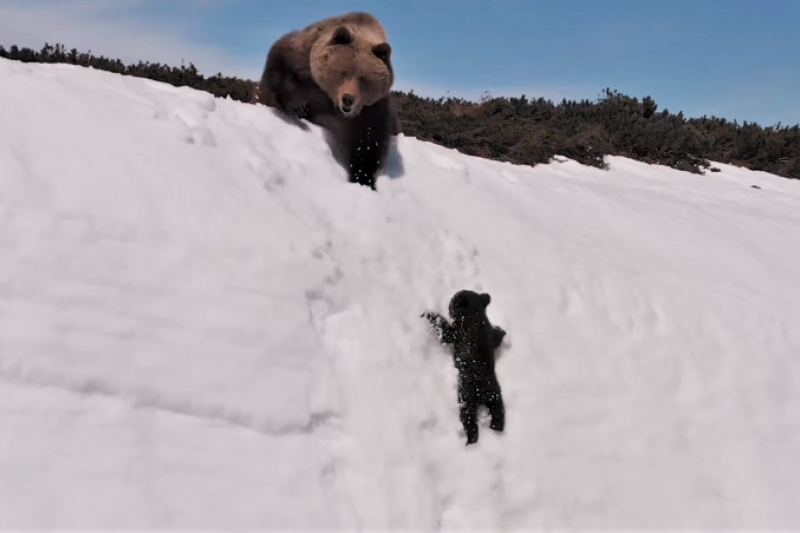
column 342, row 36
column 486, row 299
column 383, row 51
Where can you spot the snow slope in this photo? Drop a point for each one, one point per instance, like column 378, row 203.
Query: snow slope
column 203, row 325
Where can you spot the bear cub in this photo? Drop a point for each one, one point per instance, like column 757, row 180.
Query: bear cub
column 337, row 74
column 474, row 340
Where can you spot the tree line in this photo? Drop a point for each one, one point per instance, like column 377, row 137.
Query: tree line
column 522, row 130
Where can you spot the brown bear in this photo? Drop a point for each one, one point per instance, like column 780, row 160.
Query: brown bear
column 337, row 73
column 474, row 340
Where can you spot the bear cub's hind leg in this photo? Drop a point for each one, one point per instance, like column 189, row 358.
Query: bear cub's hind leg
column 497, row 411
column 469, row 419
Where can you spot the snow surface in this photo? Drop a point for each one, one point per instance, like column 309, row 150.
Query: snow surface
column 202, row 324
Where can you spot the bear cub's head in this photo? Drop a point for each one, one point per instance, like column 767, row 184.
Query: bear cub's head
column 353, row 71
column 466, row 304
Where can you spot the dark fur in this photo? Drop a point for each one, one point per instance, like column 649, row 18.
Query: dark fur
column 286, row 84
column 362, row 141
column 474, row 340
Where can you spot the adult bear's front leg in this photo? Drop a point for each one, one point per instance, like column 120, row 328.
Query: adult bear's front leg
column 368, row 143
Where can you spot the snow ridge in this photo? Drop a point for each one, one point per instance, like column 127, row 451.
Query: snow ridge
column 202, row 324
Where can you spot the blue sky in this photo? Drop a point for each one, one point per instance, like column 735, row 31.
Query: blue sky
column 731, row 58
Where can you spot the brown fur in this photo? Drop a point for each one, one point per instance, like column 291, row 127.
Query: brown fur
column 337, row 73
column 359, row 68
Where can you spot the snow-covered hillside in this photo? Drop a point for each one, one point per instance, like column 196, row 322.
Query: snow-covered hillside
column 202, row 324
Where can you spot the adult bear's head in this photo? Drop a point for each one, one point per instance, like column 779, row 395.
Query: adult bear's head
column 353, row 66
